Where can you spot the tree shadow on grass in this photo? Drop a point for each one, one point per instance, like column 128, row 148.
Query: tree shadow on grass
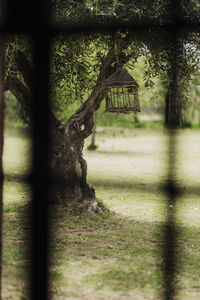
column 128, row 185
column 100, row 256
column 97, row 253
column 132, row 153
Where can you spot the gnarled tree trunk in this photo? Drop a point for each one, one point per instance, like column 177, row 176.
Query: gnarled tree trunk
column 67, row 162
column 67, row 166
column 69, row 170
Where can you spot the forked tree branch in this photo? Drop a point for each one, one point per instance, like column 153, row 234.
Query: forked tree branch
column 25, row 98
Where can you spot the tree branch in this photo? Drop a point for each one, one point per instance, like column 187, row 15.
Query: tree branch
column 25, row 98
column 25, row 68
column 21, row 92
column 87, row 109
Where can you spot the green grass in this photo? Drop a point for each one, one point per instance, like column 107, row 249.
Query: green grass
column 116, row 254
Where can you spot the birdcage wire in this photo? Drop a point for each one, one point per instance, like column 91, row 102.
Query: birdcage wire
column 122, row 93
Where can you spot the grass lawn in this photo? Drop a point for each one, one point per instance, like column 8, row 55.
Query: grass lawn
column 117, row 254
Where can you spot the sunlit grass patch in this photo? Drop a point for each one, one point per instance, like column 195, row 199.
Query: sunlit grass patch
column 188, row 210
column 17, row 151
column 16, row 230
column 188, row 159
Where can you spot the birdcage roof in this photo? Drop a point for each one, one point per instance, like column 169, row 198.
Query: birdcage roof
column 121, row 77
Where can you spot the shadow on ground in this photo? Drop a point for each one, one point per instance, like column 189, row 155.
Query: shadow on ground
column 110, row 256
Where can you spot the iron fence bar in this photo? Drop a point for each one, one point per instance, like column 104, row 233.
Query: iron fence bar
column 170, row 233
column 2, row 108
column 32, row 18
column 136, row 186
column 41, row 127
column 172, row 122
column 2, row 113
column 39, row 279
column 2, row 57
column 91, row 26
column 40, row 178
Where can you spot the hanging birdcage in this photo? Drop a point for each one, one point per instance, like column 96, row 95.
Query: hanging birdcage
column 122, row 93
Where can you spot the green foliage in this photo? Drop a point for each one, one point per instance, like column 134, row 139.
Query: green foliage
column 76, row 63
column 76, row 58
column 113, row 12
column 16, row 42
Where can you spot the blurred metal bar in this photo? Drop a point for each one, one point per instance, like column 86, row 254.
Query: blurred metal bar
column 2, row 104
column 39, row 260
column 173, row 123
column 2, row 107
column 110, row 26
column 170, row 247
column 39, row 279
column 136, row 186
column 32, row 18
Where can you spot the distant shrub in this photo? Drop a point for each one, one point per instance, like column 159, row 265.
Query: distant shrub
column 186, row 124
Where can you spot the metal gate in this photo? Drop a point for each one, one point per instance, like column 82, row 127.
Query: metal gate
column 33, row 18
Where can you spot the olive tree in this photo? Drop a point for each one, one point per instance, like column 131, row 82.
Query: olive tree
column 112, row 36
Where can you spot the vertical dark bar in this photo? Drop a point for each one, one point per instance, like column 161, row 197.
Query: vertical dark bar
column 39, row 278
column 39, row 282
column 2, row 105
column 172, row 123
column 170, row 249
column 2, row 56
column 32, row 17
column 173, row 113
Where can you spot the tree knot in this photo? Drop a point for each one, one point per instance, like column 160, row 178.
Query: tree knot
column 76, row 126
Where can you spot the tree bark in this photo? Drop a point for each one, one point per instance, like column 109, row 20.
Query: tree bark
column 93, row 146
column 174, row 95
column 67, row 166
column 173, row 107
column 67, row 157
